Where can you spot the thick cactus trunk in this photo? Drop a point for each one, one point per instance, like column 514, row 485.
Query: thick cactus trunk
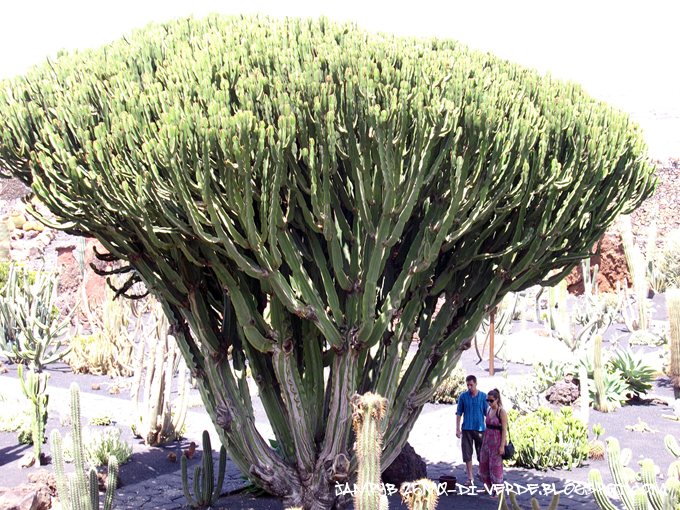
column 673, row 305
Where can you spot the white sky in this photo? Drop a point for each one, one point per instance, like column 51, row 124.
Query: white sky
column 625, row 52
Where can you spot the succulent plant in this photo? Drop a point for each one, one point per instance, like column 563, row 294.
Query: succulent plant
column 303, row 193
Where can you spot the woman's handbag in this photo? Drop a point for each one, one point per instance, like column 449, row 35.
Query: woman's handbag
column 509, row 450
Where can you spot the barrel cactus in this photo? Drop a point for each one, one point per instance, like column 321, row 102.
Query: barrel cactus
column 302, row 194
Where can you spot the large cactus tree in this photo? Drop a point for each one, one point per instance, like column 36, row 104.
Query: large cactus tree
column 305, row 193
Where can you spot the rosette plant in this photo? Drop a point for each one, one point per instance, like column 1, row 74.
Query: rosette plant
column 306, row 193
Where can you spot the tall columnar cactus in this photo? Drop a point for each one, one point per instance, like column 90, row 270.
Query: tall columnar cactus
column 34, row 387
column 155, row 421
column 368, row 412
column 4, row 242
column 206, row 491
column 31, row 330
column 668, row 500
column 503, row 504
column 638, row 272
column 585, row 393
column 601, row 401
column 301, row 193
column 673, row 306
column 80, row 491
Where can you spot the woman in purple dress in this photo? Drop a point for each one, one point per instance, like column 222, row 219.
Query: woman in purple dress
column 493, row 444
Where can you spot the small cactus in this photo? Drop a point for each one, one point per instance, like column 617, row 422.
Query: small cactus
column 80, row 491
column 596, row 447
column 34, row 387
column 368, row 412
column 206, row 491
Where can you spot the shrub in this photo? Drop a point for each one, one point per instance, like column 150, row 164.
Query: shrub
column 544, row 439
column 99, row 446
column 451, row 388
column 14, row 415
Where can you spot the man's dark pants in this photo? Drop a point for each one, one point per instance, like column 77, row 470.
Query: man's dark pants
column 468, row 439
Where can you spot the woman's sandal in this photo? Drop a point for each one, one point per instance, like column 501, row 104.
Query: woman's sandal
column 469, row 483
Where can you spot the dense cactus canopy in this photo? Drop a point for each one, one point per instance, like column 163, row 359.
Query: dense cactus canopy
column 305, row 192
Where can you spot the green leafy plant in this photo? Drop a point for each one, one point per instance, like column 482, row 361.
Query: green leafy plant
column 312, row 196
column 523, row 394
column 632, row 370
column 104, row 418
column 545, row 440
column 80, row 491
column 15, row 415
column 547, row 374
column 99, row 446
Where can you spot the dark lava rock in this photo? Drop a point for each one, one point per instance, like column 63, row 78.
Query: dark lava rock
column 407, row 467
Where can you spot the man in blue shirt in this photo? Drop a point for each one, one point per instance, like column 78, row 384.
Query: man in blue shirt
column 472, row 405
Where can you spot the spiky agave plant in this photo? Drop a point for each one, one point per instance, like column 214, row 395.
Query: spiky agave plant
column 303, row 193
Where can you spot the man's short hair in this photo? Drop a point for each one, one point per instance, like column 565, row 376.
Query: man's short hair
column 471, row 378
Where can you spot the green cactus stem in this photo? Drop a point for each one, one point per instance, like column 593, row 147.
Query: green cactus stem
column 206, row 491
column 31, row 330
column 368, row 412
column 601, row 401
column 651, row 495
column 80, row 491
column 34, row 387
column 673, row 306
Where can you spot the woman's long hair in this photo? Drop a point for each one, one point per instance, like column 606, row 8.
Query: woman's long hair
column 497, row 395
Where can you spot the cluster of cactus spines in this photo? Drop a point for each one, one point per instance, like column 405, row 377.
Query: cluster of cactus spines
column 503, row 504
column 344, row 178
column 673, row 306
column 154, row 420
column 601, row 401
column 368, row 412
column 419, row 495
column 80, row 491
column 624, row 476
column 30, row 331
column 34, row 387
column 206, row 491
